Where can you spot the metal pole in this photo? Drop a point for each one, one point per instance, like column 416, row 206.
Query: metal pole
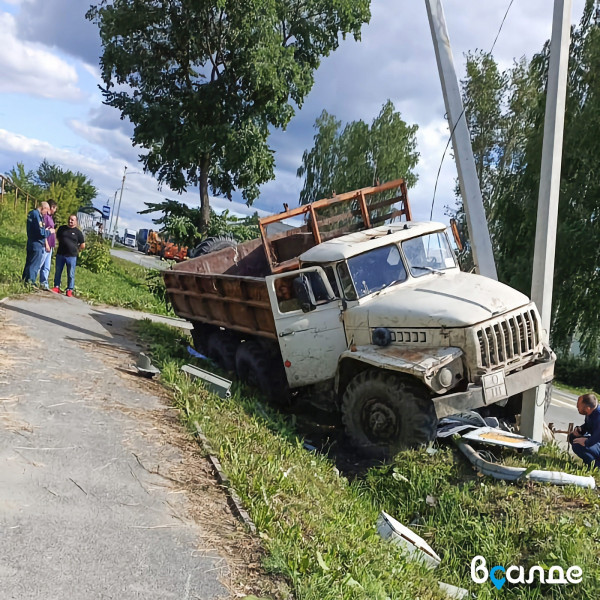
column 532, row 417
column 483, row 254
column 119, row 208
column 112, row 213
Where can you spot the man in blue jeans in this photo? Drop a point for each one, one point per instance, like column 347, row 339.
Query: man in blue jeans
column 50, row 242
column 36, row 242
column 70, row 242
column 585, row 439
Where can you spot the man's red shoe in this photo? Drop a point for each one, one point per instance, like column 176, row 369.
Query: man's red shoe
column 56, row 290
column 70, row 293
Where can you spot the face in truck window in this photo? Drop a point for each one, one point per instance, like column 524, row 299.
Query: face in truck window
column 428, row 254
column 375, row 270
column 286, row 299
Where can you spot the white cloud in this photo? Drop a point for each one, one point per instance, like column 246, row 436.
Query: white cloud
column 30, row 69
column 106, row 173
column 114, row 141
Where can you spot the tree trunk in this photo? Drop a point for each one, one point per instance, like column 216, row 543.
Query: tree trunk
column 204, row 200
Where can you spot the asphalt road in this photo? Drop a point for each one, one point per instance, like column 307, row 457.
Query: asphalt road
column 150, row 262
column 101, row 496
column 563, row 410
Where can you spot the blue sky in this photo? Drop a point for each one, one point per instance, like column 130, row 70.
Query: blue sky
column 50, row 105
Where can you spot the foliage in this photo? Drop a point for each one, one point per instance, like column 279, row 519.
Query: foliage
column 578, row 372
column 318, row 527
column 180, row 223
column 24, row 180
column 96, row 256
column 49, row 181
column 358, row 156
column 202, row 82
column 49, row 174
column 156, row 285
column 506, row 117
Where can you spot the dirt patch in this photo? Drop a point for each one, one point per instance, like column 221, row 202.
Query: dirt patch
column 179, row 461
column 16, row 346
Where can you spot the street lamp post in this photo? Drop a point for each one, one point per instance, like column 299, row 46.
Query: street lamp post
column 119, row 207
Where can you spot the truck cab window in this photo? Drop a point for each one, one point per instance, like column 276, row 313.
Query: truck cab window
column 346, row 281
column 428, row 253
column 286, row 300
column 376, row 269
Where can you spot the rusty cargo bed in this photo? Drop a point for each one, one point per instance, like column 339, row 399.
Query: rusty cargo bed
column 227, row 288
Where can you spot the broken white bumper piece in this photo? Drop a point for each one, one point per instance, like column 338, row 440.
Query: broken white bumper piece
column 213, row 383
column 416, row 547
column 498, row 471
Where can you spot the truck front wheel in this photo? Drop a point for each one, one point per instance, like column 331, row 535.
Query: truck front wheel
column 383, row 413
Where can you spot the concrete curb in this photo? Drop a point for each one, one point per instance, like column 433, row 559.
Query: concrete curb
column 234, row 500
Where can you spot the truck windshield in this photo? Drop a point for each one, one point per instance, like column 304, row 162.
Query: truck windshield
column 374, row 270
column 428, row 253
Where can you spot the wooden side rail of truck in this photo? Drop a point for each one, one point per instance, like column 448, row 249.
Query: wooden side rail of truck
column 227, row 288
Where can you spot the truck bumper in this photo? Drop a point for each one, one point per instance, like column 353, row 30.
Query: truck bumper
column 516, row 383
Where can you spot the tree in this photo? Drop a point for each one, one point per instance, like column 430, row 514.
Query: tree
column 48, row 174
column 359, row 155
column 508, row 159
column 70, row 190
column 179, row 223
column 202, row 81
column 25, row 180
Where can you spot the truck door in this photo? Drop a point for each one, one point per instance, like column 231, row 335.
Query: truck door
column 311, row 337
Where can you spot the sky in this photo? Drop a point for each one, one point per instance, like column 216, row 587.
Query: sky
column 51, row 107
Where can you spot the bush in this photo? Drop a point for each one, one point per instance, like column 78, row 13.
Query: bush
column 96, row 256
column 578, row 372
column 156, row 285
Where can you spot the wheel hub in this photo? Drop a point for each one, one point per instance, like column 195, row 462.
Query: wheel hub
column 380, row 421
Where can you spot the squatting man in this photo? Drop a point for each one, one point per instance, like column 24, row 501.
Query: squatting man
column 585, row 439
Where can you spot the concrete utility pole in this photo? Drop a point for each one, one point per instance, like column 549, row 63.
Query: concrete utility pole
column 119, row 208
column 112, row 212
column 547, row 215
column 461, row 142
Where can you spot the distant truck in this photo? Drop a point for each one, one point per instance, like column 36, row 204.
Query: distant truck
column 142, row 239
column 129, row 238
column 372, row 319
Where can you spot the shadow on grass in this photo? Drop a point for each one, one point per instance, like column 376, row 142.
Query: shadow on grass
column 9, row 242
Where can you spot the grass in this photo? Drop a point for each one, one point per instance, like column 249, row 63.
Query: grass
column 578, row 391
column 125, row 284
column 318, row 527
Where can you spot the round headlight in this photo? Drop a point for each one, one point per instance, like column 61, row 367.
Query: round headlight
column 382, row 336
column 445, row 377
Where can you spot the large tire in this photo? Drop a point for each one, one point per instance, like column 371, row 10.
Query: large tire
column 384, row 412
column 221, row 347
column 200, row 334
column 256, row 367
column 213, row 244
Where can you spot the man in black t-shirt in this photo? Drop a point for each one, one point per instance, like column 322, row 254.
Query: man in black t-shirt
column 70, row 242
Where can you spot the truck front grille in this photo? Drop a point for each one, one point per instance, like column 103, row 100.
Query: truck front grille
column 508, row 339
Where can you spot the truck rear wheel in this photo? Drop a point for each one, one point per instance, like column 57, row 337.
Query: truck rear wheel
column 221, row 347
column 255, row 367
column 383, row 413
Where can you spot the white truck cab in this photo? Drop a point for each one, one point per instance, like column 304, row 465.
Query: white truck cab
column 388, row 308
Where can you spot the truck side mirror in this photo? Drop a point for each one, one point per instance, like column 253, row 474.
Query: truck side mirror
column 301, row 292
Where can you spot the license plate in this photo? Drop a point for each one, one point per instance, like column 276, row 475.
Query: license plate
column 494, row 388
